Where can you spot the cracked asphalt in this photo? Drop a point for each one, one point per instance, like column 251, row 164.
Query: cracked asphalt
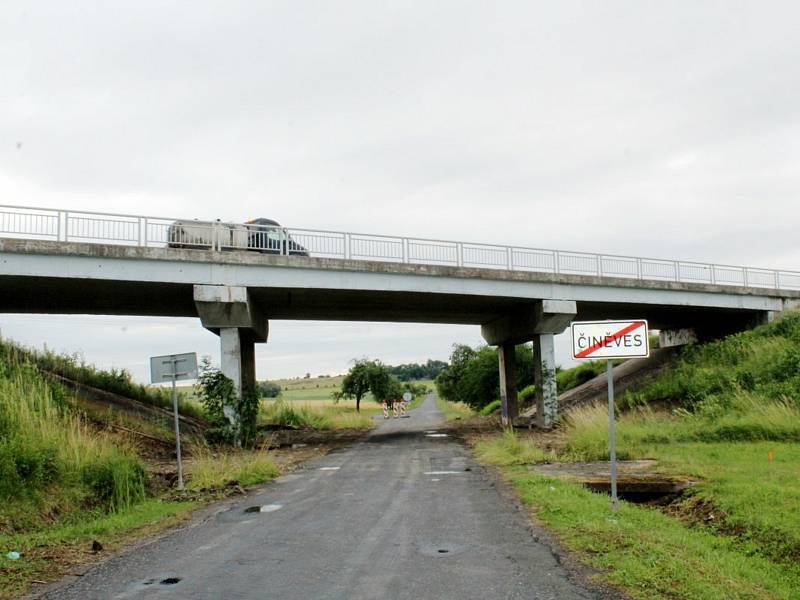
column 405, row 513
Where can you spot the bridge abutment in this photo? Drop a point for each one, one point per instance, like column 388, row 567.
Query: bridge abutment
column 538, row 322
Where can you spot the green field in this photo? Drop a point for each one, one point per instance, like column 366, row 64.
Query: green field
column 308, row 403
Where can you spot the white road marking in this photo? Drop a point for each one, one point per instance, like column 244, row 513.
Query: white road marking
column 442, row 472
column 329, row 468
column 436, row 435
column 435, row 479
column 270, row 508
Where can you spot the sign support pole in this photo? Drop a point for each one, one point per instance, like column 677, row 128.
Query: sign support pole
column 177, row 423
column 612, row 448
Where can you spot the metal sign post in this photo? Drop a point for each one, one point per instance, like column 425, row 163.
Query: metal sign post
column 174, row 367
column 610, row 340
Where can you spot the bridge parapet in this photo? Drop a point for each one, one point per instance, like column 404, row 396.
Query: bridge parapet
column 159, row 232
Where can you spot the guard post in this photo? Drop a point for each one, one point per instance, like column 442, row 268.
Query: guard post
column 610, row 340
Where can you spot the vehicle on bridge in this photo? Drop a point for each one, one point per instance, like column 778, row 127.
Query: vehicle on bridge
column 260, row 235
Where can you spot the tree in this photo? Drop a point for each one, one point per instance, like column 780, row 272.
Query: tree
column 473, row 376
column 384, row 386
column 357, row 381
column 268, row 389
column 370, row 376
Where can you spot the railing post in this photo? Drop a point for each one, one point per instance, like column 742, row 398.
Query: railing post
column 745, row 277
column 66, row 226
column 777, row 280
column 713, row 274
column 144, row 232
column 347, row 250
column 639, row 268
column 509, row 258
column 556, row 259
column 285, row 243
column 405, row 250
column 460, row 254
column 676, row 265
column 600, row 265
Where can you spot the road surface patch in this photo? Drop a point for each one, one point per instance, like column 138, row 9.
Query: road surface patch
column 265, row 508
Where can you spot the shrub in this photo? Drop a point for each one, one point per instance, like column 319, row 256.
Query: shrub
column 527, row 395
column 489, row 408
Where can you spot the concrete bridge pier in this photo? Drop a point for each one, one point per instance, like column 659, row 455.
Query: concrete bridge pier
column 538, row 322
column 229, row 312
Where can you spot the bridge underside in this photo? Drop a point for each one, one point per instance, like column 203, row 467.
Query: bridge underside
column 52, row 295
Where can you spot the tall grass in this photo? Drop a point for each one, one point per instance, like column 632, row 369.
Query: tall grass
column 207, row 470
column 313, row 415
column 748, row 418
column 508, row 449
column 48, row 456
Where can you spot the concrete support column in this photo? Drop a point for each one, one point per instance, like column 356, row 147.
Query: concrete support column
column 238, row 355
column 508, row 383
column 544, row 377
column 238, row 358
column 230, row 312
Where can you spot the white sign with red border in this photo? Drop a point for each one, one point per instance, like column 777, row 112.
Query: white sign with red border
column 610, row 339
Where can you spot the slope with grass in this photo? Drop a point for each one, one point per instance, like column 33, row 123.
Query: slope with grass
column 726, row 413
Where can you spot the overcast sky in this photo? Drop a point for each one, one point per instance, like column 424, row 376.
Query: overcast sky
column 664, row 129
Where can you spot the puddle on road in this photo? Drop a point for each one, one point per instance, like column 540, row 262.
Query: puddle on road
column 439, row 549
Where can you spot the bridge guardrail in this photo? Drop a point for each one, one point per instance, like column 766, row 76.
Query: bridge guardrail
column 135, row 230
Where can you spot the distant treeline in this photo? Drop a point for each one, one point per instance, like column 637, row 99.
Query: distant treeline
column 416, row 371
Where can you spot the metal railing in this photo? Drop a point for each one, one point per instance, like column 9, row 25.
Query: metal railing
column 133, row 230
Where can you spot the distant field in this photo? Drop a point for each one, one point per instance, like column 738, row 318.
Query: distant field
column 319, row 389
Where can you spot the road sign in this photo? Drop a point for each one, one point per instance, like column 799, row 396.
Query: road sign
column 610, row 339
column 184, row 366
column 174, row 367
column 407, row 396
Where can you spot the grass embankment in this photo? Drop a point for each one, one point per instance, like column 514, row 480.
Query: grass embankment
column 65, row 483
column 116, row 381
column 733, row 421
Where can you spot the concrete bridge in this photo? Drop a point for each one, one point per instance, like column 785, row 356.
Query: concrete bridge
column 67, row 262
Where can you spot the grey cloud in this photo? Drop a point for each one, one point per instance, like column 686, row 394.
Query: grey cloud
column 667, row 130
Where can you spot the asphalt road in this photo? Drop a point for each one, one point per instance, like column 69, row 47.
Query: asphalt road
column 404, row 514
